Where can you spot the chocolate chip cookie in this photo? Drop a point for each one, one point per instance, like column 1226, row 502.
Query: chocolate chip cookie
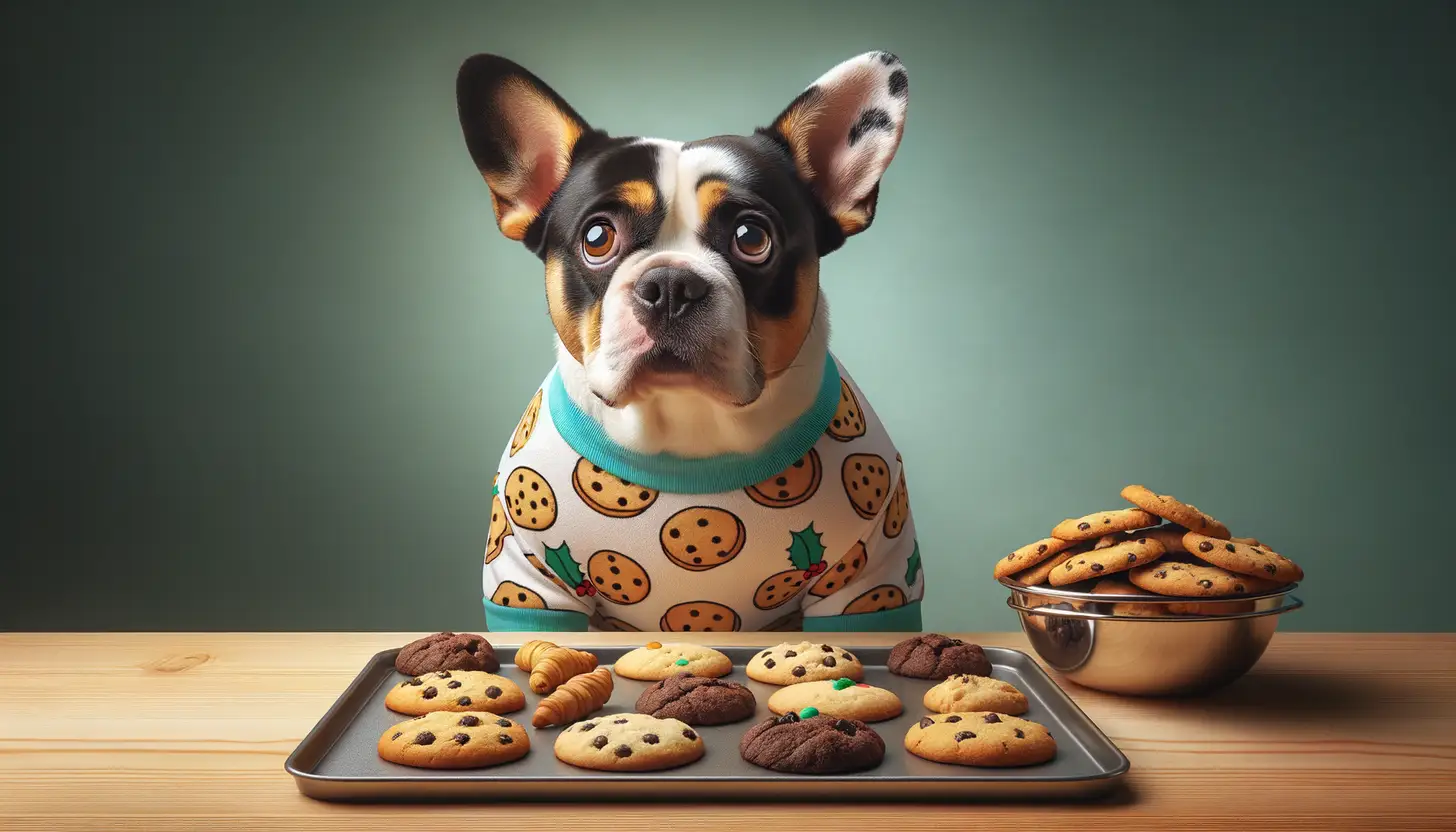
column 454, row 740
column 817, row 745
column 980, row 738
column 1118, row 557
column 1195, row 579
column 1030, row 555
column 1099, row 523
column 697, row 700
column 446, row 651
column 1174, row 511
column 934, row 656
column 455, row 690
column 804, row 661
column 1243, row 558
column 629, row 742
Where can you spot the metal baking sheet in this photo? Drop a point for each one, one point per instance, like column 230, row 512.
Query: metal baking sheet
column 338, row 760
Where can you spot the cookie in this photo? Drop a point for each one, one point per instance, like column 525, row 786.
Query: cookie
column 609, row 494
column 1119, row 586
column 844, row 570
column 527, row 425
column 454, row 740
column 697, row 700
column 658, row 661
column 499, row 529
column 934, row 656
column 1039, row 574
column 843, row 698
column 629, row 742
column 1242, row 558
column 816, row 745
column 446, row 651
column 618, row 578
column 1096, row 525
column 878, row 599
column 867, row 483
column 980, row 738
column 965, row 692
column 455, row 690
column 778, row 589
column 1196, row 580
column 1174, row 511
column 791, row 486
column 1116, row 558
column 898, row 511
column 699, row 617
column 1030, row 555
column 803, row 661
column 512, row 594
column 702, row 537
column 848, row 421
column 1170, row 535
column 530, row 503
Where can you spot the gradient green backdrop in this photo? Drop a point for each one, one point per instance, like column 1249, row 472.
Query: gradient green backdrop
column 263, row 344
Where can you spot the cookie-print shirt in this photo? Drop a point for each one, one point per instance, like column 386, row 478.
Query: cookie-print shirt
column 814, row 532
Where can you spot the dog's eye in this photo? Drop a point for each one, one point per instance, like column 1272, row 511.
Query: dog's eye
column 751, row 242
column 599, row 242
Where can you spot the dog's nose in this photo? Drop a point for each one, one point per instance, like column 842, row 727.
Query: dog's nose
column 669, row 292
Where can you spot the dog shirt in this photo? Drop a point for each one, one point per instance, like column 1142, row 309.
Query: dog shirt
column 813, row 532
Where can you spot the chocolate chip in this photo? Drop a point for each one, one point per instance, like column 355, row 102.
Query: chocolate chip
column 619, row 722
column 416, row 682
column 846, row 657
column 505, row 739
column 1020, row 735
column 1205, row 584
column 1269, row 567
column 690, row 734
column 1161, row 573
column 424, row 738
column 464, row 700
column 453, row 684
column 588, row 726
column 504, row 723
column 952, row 719
column 765, row 654
column 787, row 718
column 844, row 726
column 1239, row 588
column 993, row 718
column 769, row 664
column 599, row 741
column 962, row 736
column 826, row 648
column 798, row 670
column 492, row 692
column 789, row 654
column 461, row 739
column 396, row 735
column 1132, row 557
column 623, row 751
column 1084, row 526
column 1040, row 550
column 830, row 662
column 429, row 692
column 1097, row 567
column 650, row 739
column 1205, row 546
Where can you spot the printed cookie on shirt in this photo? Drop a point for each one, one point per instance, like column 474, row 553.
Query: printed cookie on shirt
column 832, row 534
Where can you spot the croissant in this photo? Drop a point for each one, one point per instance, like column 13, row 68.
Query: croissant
column 529, row 652
column 554, row 665
column 581, row 695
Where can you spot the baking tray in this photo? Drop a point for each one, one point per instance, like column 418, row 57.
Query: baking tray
column 339, row 761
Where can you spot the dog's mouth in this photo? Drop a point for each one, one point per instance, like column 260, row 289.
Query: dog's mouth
column 665, row 370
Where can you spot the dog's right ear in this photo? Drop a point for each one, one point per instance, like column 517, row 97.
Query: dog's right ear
column 521, row 135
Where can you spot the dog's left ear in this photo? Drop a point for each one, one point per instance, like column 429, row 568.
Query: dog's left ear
column 843, row 131
column 521, row 135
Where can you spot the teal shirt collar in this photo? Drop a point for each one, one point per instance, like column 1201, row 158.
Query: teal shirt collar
column 682, row 475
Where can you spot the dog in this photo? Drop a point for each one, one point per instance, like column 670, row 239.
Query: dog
column 697, row 459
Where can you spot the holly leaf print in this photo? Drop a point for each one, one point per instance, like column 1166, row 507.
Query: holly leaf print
column 914, row 568
column 806, row 547
column 560, row 561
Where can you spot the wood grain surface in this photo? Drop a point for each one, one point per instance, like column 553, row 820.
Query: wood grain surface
column 173, row 731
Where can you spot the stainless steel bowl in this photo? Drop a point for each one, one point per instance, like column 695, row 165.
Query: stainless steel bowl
column 1148, row 645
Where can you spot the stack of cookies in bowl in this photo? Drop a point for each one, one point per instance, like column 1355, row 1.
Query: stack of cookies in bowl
column 1158, row 546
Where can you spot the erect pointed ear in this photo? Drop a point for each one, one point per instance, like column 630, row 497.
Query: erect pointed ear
column 521, row 135
column 843, row 131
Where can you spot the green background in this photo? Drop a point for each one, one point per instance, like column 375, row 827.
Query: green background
column 263, row 344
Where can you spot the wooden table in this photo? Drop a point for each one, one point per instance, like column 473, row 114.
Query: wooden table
column 164, row 732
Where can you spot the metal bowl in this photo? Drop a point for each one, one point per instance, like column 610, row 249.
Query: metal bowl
column 1148, row 645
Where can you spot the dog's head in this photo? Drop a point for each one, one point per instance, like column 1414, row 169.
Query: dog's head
column 690, row 265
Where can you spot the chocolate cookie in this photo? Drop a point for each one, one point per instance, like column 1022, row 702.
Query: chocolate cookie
column 446, row 651
column 448, row 740
column 697, row 700
column 980, row 738
column 1243, row 558
column 934, row 656
column 1100, row 523
column 817, row 745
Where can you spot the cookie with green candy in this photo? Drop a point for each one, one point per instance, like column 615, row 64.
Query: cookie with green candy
column 843, row 698
column 656, row 661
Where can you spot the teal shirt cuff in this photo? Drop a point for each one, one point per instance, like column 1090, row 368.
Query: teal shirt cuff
column 500, row 619
column 904, row 619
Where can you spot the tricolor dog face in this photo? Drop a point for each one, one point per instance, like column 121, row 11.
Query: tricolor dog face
column 684, row 266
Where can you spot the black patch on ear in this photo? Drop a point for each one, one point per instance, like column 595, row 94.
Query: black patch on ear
column 872, row 119
column 899, row 83
column 888, row 58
